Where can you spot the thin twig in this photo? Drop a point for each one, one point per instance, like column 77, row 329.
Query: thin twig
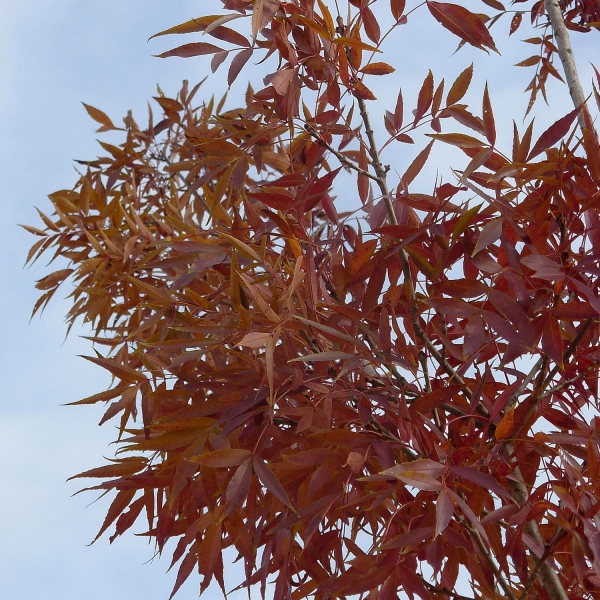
column 539, row 392
column 541, row 560
column 488, row 557
column 343, row 159
column 381, row 179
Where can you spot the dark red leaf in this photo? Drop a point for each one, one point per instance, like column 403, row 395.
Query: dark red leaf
column 555, row 132
column 463, row 23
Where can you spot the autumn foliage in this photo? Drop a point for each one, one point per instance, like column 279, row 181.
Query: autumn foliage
column 346, row 397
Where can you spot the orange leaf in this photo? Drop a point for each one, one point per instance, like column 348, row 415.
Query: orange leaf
column 100, row 117
column 506, row 425
column 192, row 26
column 460, row 86
column 360, row 90
column 377, row 68
column 353, row 43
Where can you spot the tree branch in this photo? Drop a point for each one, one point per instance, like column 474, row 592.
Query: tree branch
column 344, row 160
column 565, row 51
column 381, row 179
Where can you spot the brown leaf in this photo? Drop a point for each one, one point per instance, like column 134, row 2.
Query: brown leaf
column 268, row 479
column 237, row 64
column 238, row 486
column 397, row 8
column 415, row 167
column 460, row 86
column 488, row 118
column 371, row 25
column 100, row 117
column 193, row 49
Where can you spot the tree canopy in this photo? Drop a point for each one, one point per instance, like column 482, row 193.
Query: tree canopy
column 395, row 401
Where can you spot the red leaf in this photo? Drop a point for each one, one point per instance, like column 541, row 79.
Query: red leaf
column 268, row 479
column 515, row 23
column 444, row 509
column 552, row 342
column 481, row 479
column 421, row 473
column 222, row 458
column 121, row 468
column 185, row 569
column 490, row 233
column 425, row 97
column 554, row 133
column 238, row 486
column 360, row 90
column 463, row 23
column 237, row 64
column 122, row 372
column 371, row 25
column 193, row 49
column 462, row 288
column 53, row 280
column 423, row 404
column 119, row 504
column 574, row 311
column 488, row 118
column 397, row 7
column 399, row 111
column 410, row 538
column 282, row 202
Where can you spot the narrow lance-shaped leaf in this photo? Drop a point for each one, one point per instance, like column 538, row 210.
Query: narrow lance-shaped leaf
column 192, row 49
column 555, row 132
column 444, row 510
column 463, row 23
column 268, row 479
column 460, row 86
column 100, row 117
column 488, row 118
column 416, row 166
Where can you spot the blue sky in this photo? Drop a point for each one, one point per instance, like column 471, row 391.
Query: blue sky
column 56, row 55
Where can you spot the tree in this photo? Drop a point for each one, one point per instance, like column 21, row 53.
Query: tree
column 344, row 398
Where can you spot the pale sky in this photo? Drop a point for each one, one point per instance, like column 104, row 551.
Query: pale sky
column 56, row 55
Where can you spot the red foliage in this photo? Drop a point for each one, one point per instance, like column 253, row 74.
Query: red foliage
column 348, row 401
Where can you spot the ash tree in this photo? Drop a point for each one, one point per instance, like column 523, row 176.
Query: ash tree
column 395, row 401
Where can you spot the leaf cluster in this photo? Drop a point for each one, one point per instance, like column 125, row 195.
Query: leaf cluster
column 342, row 400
